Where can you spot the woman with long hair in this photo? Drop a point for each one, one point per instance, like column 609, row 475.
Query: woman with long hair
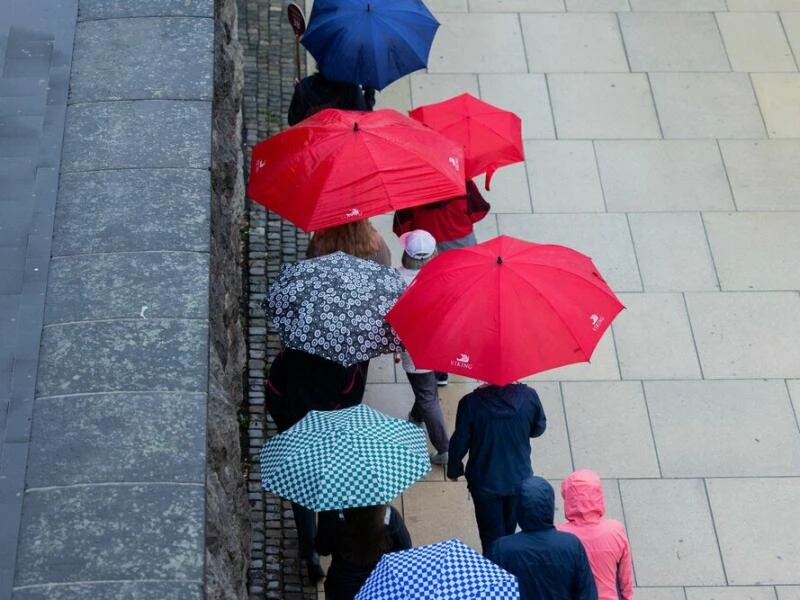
column 356, row 539
column 357, row 238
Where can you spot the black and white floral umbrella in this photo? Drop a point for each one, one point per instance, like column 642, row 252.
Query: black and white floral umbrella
column 333, row 306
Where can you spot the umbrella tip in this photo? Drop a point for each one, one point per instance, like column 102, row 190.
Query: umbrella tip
column 355, row 126
column 369, row 8
column 499, row 260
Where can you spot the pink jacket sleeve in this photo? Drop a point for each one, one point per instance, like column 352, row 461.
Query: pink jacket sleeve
column 625, row 572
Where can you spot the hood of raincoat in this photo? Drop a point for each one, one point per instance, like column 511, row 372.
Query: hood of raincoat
column 583, row 497
column 537, row 504
column 504, row 402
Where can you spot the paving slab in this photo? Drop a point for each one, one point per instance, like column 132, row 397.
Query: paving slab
column 663, row 175
column 677, row 5
column 601, row 106
column 597, row 5
column 672, row 252
column 493, row 6
column 509, row 191
column 447, row 5
column 121, row 437
column 672, row 41
column 90, row 533
column 779, row 97
column 135, row 285
column 436, row 511
column 707, row 105
column 121, row 71
column 759, row 544
column 609, row 430
column 768, row 5
column 791, row 25
column 788, row 592
column 122, row 590
column 662, row 593
column 166, row 216
column 730, row 593
column 137, row 134
column 396, row 96
column 723, row 428
column 110, row 9
column 751, row 249
column 671, row 532
column 524, row 94
column 604, row 237
column 573, row 43
column 654, row 338
column 125, row 355
column 755, row 42
column 551, row 456
column 563, row 177
column 794, row 392
column 500, row 49
column 427, row 88
column 763, row 174
column 746, row 335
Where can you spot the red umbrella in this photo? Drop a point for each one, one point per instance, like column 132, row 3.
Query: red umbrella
column 491, row 136
column 503, row 310
column 338, row 166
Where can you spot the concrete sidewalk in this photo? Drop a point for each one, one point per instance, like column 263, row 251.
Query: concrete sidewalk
column 662, row 140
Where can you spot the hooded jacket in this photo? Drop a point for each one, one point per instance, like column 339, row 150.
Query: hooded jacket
column 494, row 425
column 549, row 564
column 604, row 539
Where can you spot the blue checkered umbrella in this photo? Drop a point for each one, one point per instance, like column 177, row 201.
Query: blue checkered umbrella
column 449, row 570
column 346, row 458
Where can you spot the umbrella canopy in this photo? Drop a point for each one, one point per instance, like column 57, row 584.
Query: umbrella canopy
column 447, row 570
column 491, row 136
column 370, row 42
column 339, row 166
column 332, row 460
column 504, row 309
column 333, row 306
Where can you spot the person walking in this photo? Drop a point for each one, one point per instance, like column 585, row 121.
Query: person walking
column 419, row 247
column 356, row 539
column 604, row 539
column 494, row 425
column 357, row 238
column 316, row 92
column 549, row 564
column 299, row 382
column 450, row 222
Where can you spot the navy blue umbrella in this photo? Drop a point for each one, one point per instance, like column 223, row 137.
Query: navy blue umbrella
column 370, row 42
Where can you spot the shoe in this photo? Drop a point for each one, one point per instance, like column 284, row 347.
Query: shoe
column 415, row 420
column 441, row 379
column 439, row 458
column 315, row 571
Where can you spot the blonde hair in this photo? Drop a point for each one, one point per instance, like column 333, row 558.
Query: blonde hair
column 358, row 238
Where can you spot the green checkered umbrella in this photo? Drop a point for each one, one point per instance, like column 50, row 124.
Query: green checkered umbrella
column 338, row 459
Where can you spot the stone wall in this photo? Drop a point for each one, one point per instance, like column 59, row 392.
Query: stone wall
column 227, row 509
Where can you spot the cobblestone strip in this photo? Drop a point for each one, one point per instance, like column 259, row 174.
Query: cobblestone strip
column 269, row 70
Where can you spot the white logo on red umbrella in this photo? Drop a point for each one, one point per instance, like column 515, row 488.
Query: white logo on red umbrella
column 597, row 321
column 260, row 164
column 462, row 361
column 455, row 162
column 353, row 212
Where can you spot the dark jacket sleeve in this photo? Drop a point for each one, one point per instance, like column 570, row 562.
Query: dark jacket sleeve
column 460, row 440
column 583, row 586
column 327, row 532
column 299, row 106
column 401, row 539
column 539, row 421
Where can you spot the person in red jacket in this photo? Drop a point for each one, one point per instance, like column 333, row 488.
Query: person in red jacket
column 604, row 539
column 450, row 222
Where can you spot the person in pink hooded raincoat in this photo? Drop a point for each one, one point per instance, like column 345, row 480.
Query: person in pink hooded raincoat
column 604, row 539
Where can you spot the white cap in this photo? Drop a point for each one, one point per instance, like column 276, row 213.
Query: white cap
column 418, row 244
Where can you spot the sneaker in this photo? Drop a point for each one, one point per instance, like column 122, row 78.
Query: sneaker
column 315, row 571
column 439, row 458
column 441, row 379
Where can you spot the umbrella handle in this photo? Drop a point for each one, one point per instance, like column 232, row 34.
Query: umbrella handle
column 297, row 55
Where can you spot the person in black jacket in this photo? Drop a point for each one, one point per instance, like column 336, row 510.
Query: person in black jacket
column 356, row 539
column 549, row 564
column 494, row 425
column 316, row 92
column 299, row 382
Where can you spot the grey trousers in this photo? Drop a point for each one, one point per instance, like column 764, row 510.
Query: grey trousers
column 427, row 408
